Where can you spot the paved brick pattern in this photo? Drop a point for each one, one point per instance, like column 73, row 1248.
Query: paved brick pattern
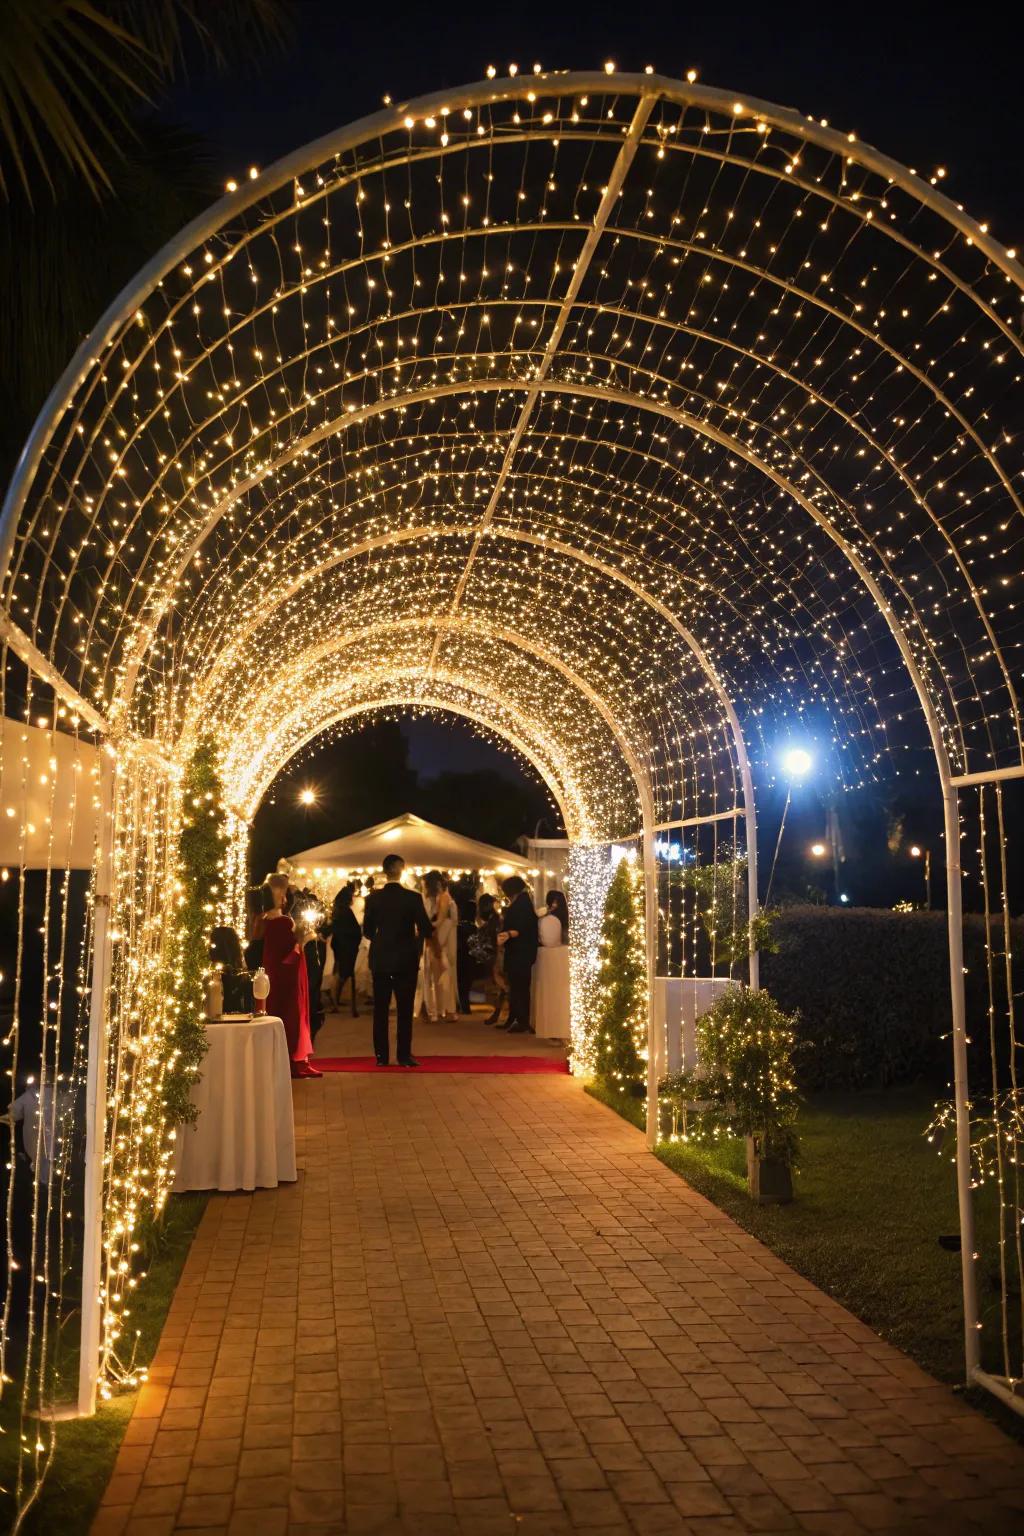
column 486, row 1309
column 466, row 1035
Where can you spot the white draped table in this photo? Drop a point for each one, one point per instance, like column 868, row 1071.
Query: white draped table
column 244, row 1137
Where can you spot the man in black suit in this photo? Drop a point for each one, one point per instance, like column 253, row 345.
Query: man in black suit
column 396, row 923
column 518, row 937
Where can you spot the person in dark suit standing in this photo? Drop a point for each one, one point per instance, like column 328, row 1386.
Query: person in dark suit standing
column 518, row 937
column 396, row 923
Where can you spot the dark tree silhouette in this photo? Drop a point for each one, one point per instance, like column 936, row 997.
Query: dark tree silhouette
column 91, row 185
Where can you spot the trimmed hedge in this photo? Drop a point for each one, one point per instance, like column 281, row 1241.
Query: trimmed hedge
column 872, row 990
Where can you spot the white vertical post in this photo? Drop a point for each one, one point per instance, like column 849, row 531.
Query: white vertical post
column 753, row 900
column 961, row 1089
column 96, row 1100
column 749, row 818
column 650, row 869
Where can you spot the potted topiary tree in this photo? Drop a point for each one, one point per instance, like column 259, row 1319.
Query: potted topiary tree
column 744, row 1086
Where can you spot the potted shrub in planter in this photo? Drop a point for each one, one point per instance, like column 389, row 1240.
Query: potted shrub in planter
column 769, row 1172
column 744, row 1086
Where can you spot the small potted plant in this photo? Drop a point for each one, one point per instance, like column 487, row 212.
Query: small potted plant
column 744, row 1086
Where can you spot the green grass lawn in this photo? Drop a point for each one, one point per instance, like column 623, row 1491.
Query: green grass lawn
column 872, row 1198
column 87, row 1448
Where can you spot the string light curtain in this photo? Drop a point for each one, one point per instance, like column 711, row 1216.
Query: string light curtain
column 638, row 422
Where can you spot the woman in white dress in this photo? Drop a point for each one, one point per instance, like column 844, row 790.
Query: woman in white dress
column 440, row 954
column 363, row 978
column 551, row 972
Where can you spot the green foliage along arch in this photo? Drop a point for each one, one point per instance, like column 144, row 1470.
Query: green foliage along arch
column 202, row 845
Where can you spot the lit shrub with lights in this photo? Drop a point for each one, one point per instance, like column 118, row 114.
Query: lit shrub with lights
column 744, row 1086
column 620, row 1032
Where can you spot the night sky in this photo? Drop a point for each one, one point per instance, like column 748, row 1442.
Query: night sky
column 922, row 86
column 929, row 85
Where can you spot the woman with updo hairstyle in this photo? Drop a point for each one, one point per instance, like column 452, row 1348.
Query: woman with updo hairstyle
column 284, row 963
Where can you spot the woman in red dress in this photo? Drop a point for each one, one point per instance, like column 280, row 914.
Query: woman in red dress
column 284, row 963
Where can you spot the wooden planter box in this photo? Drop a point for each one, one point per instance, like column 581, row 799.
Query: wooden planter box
column 769, row 1179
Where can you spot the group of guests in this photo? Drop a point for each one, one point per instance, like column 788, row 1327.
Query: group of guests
column 415, row 950
column 427, row 950
column 527, row 951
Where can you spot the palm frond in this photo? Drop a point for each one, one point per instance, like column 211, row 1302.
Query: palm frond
column 227, row 32
column 67, row 71
column 73, row 73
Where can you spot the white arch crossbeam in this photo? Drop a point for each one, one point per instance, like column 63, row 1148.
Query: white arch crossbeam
column 416, row 697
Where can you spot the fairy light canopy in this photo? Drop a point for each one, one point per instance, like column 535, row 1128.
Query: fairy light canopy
column 651, row 429
column 603, row 407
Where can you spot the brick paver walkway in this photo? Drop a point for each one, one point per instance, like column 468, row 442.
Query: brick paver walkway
column 486, row 1309
column 342, row 1035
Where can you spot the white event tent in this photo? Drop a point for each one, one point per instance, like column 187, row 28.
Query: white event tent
column 422, row 845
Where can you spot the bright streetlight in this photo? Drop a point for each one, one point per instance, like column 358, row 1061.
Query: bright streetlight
column 818, row 850
column 797, row 762
column 916, row 852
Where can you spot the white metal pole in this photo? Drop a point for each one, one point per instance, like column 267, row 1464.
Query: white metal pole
column 96, row 1100
column 650, row 869
column 753, row 900
column 955, row 916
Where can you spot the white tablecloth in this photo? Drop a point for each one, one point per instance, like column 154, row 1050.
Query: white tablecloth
column 244, row 1137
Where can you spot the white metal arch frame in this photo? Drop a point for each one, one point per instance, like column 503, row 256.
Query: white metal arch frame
column 319, row 706
column 266, row 613
column 655, row 87
column 357, row 416
column 548, row 659
column 574, row 390
column 412, row 697
column 605, row 395
column 357, row 600
column 222, row 631
column 647, row 89
column 221, row 474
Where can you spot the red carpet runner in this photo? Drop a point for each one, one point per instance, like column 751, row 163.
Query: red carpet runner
column 507, row 1064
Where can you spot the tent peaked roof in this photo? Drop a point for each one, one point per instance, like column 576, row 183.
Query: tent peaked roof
column 421, row 844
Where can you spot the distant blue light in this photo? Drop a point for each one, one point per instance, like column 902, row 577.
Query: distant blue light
column 797, row 762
